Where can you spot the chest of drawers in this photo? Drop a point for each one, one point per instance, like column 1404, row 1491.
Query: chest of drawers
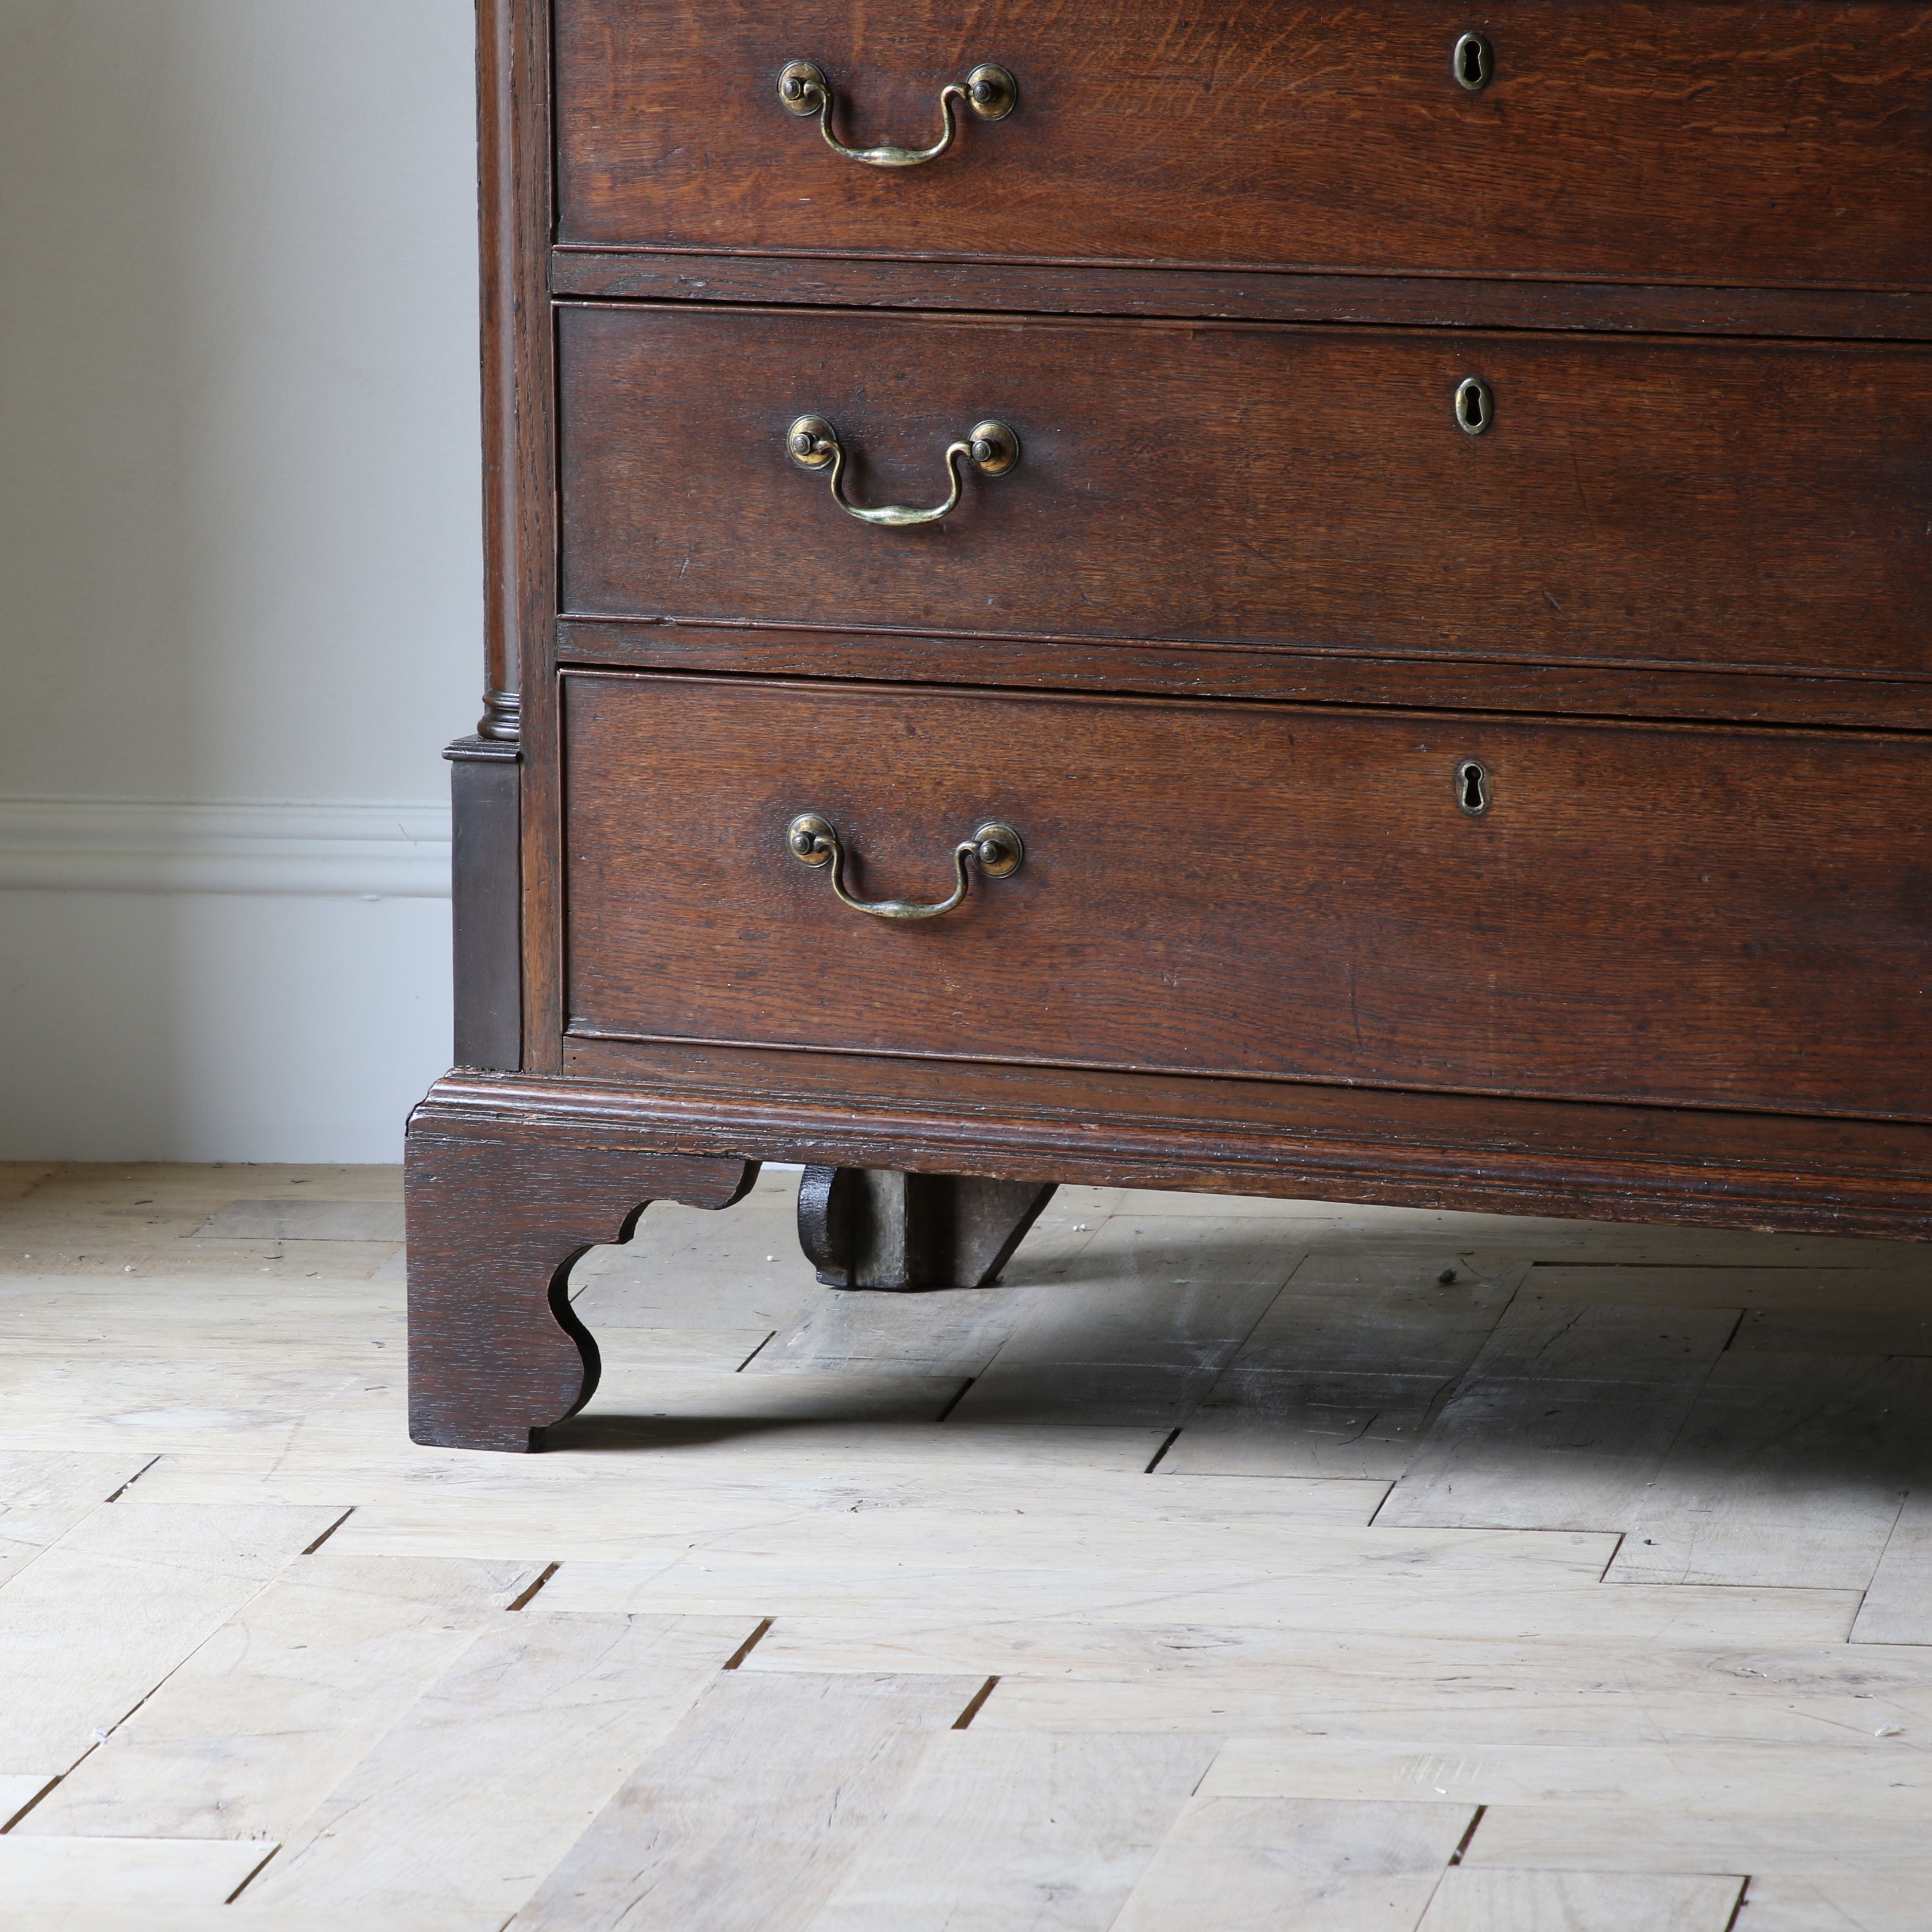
column 1323, row 601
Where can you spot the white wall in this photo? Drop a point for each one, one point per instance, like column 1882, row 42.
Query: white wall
column 239, row 568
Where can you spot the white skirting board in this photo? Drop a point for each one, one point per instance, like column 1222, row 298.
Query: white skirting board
column 231, row 981
column 267, row 848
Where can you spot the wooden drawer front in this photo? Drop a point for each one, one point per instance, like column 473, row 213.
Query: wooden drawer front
column 1679, row 502
column 1672, row 142
column 1643, row 913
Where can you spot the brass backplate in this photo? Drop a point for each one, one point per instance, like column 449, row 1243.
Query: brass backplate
column 997, row 850
column 801, row 87
column 1001, row 447
column 812, row 442
column 991, row 92
column 810, row 839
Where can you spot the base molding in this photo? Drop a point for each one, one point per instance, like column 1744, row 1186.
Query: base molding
column 1778, row 1173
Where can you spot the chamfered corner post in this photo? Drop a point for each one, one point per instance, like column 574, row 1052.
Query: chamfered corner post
column 486, row 894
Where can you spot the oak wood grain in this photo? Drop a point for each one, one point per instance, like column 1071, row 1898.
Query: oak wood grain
column 805, row 1769
column 89, row 1629
column 1266, row 674
column 1643, row 913
column 485, row 1783
column 1703, row 140
column 1430, row 301
column 513, row 152
column 1287, row 1139
column 1701, row 504
column 495, row 1218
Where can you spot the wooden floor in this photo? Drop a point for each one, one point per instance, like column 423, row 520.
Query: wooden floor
column 1240, row 1565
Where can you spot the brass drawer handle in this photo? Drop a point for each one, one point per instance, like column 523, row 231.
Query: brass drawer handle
column 990, row 447
column 988, row 90
column 996, row 849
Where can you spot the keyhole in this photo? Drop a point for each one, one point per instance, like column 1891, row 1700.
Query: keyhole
column 1472, row 787
column 1475, row 406
column 1474, row 63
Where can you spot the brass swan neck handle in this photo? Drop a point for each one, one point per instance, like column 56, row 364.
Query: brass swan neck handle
column 996, row 849
column 989, row 91
column 991, row 449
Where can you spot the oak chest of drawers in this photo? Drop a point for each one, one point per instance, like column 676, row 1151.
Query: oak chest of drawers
column 1321, row 600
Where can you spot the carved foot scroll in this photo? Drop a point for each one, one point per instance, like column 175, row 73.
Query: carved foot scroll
column 867, row 1228
column 497, row 1213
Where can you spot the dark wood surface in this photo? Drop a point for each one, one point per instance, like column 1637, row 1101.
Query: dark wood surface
column 1291, row 1141
column 486, row 902
column 513, row 204
column 1693, row 503
column 1673, row 973
column 961, row 1104
column 1656, row 913
column 1262, row 673
column 497, row 1213
column 1426, row 302
column 874, row 1228
column 513, row 103
column 1680, row 140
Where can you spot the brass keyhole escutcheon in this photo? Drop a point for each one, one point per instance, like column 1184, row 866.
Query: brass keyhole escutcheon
column 1475, row 405
column 1474, row 62
column 1472, row 787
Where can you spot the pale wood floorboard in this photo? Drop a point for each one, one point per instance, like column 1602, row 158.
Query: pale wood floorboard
column 1828, row 1300
column 1343, row 1373
column 1612, row 1838
column 156, row 1916
column 132, row 1874
column 746, row 1818
column 1273, row 1550
column 1665, row 1689
column 1790, row 1468
column 1889, row 1900
column 1863, row 1777
column 489, row 1777
column 18, row 1790
column 995, row 1831
column 1473, row 1900
column 46, row 1495
column 1565, row 1418
column 1304, row 1714
column 954, row 1333
column 1442, row 1606
column 95, row 1623
column 1136, row 1325
column 1269, row 1864
column 253, row 1731
column 1897, row 1606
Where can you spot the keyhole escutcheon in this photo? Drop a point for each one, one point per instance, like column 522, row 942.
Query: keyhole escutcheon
column 1475, row 405
column 1472, row 787
column 1474, row 62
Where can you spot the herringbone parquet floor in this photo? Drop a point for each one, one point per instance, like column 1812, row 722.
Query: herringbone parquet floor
column 1238, row 1566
